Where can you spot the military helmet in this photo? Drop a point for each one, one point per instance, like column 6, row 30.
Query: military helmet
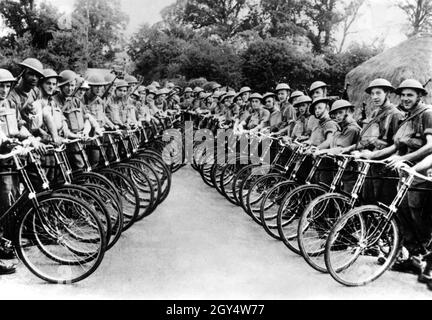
column 256, row 96
column 110, row 77
column 341, row 104
column 269, row 94
column 198, row 90
column 50, row 73
column 380, row 83
column 6, row 76
column 302, row 99
column 188, row 90
column 162, row 91
column 317, row 101
column 97, row 80
column 411, row 84
column 130, row 79
column 295, row 94
column 121, row 84
column 155, row 84
column 283, row 86
column 229, row 94
column 67, row 76
column 244, row 90
column 33, row 64
column 317, row 85
column 215, row 86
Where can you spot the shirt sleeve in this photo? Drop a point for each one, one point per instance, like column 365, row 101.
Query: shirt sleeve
column 330, row 127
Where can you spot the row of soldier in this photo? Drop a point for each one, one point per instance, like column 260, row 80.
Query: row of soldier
column 395, row 134
column 45, row 107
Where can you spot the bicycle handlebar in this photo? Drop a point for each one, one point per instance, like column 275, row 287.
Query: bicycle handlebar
column 16, row 152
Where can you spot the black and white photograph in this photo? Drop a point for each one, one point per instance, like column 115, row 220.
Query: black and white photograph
column 215, row 150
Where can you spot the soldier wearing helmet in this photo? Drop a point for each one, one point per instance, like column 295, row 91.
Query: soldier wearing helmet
column 342, row 111
column 322, row 134
column 117, row 106
column 412, row 143
column 302, row 129
column 78, row 119
column 258, row 118
column 318, row 89
column 27, row 89
column 95, row 105
column 82, row 89
column 283, row 91
column 9, row 182
column 378, row 134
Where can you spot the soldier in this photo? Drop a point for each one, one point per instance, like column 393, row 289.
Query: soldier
column 275, row 113
column 303, row 127
column 116, row 106
column 27, row 91
column 283, row 91
column 96, row 107
column 318, row 89
column 412, row 142
column 186, row 99
column 322, row 134
column 377, row 135
column 82, row 89
column 9, row 180
column 77, row 117
column 259, row 117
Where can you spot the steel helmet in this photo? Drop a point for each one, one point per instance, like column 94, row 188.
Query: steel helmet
column 67, row 76
column 269, row 94
column 109, row 77
column 317, row 85
column 244, row 90
column 256, row 96
column 229, row 94
column 130, row 79
column 6, row 76
column 218, row 95
column 317, row 101
column 380, row 83
column 188, row 90
column 207, row 95
column 155, row 84
column 141, row 89
column 411, row 84
column 296, row 94
column 283, row 86
column 341, row 104
column 198, row 90
column 33, row 64
column 50, row 73
column 97, row 80
column 215, row 86
column 162, row 91
column 121, row 84
column 302, row 99
column 151, row 90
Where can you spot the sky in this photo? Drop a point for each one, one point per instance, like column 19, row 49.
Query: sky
column 377, row 18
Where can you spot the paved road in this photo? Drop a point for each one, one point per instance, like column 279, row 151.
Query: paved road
column 198, row 246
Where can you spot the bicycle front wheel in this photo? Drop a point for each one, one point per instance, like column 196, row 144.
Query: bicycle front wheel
column 47, row 243
column 362, row 245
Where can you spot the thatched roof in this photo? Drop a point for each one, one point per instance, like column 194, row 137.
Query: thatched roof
column 410, row 59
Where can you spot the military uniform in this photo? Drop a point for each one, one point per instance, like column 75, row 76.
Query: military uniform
column 319, row 133
column 21, row 99
column 257, row 117
column 410, row 137
column 288, row 116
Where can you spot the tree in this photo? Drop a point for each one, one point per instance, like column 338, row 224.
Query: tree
column 224, row 18
column 23, row 17
column 104, row 22
column 419, row 13
column 350, row 16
